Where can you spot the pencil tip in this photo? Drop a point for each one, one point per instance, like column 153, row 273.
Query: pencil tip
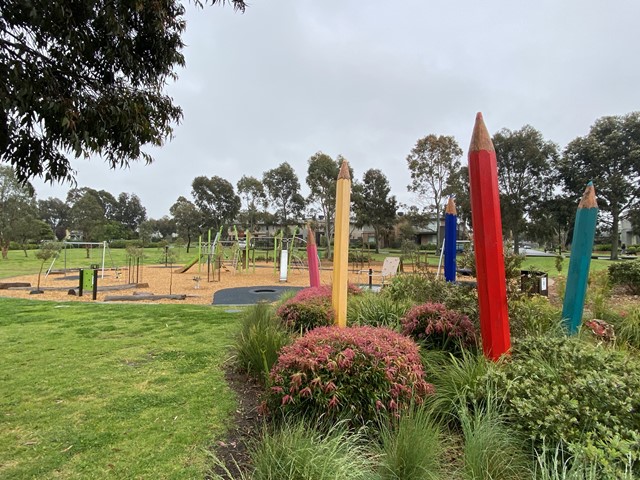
column 588, row 199
column 480, row 139
column 344, row 171
column 451, row 206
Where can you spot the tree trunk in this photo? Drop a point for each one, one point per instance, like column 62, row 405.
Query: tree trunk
column 39, row 274
column 5, row 251
column 377, row 232
column 516, row 242
column 188, row 242
column 614, row 233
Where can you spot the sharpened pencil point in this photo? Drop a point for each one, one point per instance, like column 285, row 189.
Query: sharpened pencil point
column 480, row 139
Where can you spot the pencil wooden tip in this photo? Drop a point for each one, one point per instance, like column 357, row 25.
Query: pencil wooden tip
column 311, row 236
column 451, row 207
column 480, row 139
column 588, row 199
column 344, row 171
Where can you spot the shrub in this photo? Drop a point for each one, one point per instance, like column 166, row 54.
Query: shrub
column 423, row 288
column 260, row 339
column 297, row 452
column 627, row 326
column 563, row 389
column 436, row 327
column 533, row 316
column 411, row 447
column 627, row 275
column 310, row 308
column 376, row 310
column 355, row 372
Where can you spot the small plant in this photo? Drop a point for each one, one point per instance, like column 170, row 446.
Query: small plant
column 260, row 340
column 564, row 389
column 492, row 449
column 533, row 316
column 46, row 252
column 559, row 263
column 376, row 310
column 298, row 452
column 412, row 447
column 598, row 294
column 356, row 373
column 627, row 275
column 436, row 327
column 627, row 326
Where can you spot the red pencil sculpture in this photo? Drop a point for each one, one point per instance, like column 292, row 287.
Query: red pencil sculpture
column 487, row 235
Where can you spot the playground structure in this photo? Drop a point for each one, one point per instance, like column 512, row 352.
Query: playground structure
column 88, row 246
column 240, row 253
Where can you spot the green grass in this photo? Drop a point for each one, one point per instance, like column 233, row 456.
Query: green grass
column 102, row 391
column 17, row 264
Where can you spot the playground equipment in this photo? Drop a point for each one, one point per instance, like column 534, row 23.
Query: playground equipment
column 88, row 245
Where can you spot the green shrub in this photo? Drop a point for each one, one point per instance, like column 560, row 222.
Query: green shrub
column 492, row 449
column 563, row 389
column 357, row 373
column 533, row 316
column 298, row 452
column 376, row 310
column 306, row 315
column 627, row 326
column 260, row 340
column 436, row 327
column 626, row 274
column 424, row 288
column 412, row 447
column 598, row 294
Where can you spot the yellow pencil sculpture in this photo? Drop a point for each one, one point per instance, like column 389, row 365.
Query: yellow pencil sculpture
column 341, row 245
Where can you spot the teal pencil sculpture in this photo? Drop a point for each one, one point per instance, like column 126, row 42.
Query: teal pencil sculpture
column 581, row 246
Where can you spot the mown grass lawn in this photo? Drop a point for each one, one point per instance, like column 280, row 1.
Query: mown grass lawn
column 111, row 391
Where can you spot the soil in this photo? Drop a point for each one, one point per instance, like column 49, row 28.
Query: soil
column 163, row 280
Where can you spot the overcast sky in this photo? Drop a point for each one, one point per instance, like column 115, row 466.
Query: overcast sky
column 366, row 79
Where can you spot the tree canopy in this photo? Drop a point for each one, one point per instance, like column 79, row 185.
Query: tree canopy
column 609, row 155
column 82, row 78
column 283, row 188
column 372, row 203
column 216, row 199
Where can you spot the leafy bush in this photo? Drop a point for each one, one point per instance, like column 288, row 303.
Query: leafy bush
column 626, row 274
column 260, row 339
column 310, row 308
column 411, row 447
column 356, row 373
column 563, row 389
column 436, row 327
column 627, row 326
column 376, row 310
column 533, row 316
column 424, row 288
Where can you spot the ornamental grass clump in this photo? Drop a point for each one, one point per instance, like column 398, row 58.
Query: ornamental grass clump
column 436, row 327
column 355, row 373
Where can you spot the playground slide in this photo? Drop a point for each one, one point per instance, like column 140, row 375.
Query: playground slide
column 190, row 264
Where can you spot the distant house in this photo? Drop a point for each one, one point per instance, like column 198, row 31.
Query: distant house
column 626, row 233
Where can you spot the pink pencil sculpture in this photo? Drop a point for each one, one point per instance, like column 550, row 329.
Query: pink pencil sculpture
column 312, row 258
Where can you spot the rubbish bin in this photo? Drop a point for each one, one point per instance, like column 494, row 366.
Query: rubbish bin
column 534, row 282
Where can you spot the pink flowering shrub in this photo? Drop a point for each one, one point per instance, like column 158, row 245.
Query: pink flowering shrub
column 355, row 373
column 436, row 327
column 310, row 308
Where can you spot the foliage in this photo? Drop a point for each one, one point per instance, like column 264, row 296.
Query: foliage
column 46, row 252
column 15, row 205
column 598, row 294
column 216, row 200
column 283, row 189
column 129, row 212
column 627, row 326
column 459, row 383
column 431, row 162
column 626, row 274
column 187, row 218
column 412, row 447
column 436, row 327
column 259, row 341
column 492, row 449
column 424, row 288
column 522, row 155
column 563, row 389
column 252, row 192
column 298, row 452
column 608, row 155
column 322, row 175
column 533, row 316
column 87, row 216
column 86, row 79
column 308, row 309
column 356, row 373
column 55, row 212
column 372, row 204
column 376, row 310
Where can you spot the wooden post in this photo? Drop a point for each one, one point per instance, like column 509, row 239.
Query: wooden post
column 312, row 258
column 450, row 241
column 341, row 245
column 487, row 233
column 581, row 246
